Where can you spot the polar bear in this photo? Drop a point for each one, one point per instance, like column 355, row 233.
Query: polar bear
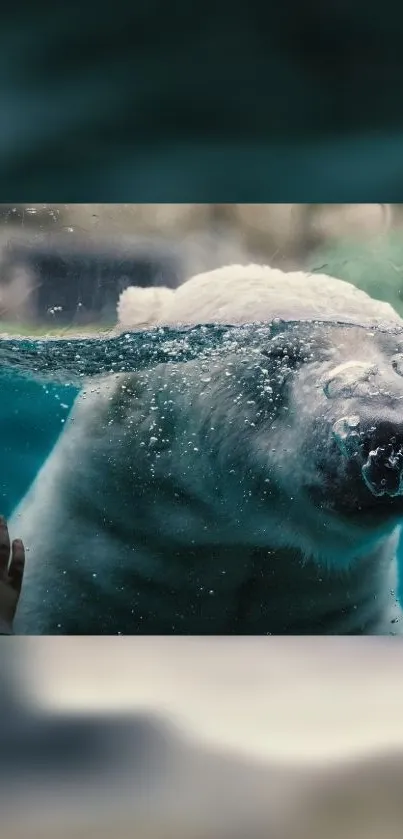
column 254, row 489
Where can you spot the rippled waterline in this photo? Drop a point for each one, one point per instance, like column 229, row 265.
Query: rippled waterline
column 69, row 360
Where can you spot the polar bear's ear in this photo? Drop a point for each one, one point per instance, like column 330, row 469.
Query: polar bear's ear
column 141, row 307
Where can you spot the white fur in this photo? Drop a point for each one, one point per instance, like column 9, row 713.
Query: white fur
column 152, row 512
column 139, row 307
column 249, row 293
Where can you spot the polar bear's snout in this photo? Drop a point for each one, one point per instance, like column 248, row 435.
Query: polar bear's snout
column 369, row 434
column 376, row 446
column 382, row 457
column 383, row 470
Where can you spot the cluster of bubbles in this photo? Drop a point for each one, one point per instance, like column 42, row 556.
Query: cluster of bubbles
column 74, row 358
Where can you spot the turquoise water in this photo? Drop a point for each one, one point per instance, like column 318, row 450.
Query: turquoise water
column 32, row 416
column 40, row 379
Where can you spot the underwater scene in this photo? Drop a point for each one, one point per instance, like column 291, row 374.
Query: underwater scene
column 202, row 418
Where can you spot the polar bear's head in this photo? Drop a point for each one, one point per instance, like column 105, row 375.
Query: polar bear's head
column 304, row 433
column 316, row 429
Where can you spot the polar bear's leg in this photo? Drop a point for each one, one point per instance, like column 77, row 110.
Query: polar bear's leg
column 86, row 575
column 82, row 579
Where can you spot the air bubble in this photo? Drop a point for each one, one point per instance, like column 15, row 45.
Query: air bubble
column 346, row 435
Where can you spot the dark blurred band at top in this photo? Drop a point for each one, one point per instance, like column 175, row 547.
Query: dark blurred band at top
column 159, row 102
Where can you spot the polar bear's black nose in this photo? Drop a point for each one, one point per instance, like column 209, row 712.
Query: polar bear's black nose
column 383, row 469
column 382, row 457
column 377, row 446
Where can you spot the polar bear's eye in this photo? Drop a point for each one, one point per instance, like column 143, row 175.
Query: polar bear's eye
column 287, row 352
column 299, row 345
column 286, row 355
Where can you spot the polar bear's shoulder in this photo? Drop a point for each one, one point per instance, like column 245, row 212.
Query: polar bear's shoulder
column 250, row 293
